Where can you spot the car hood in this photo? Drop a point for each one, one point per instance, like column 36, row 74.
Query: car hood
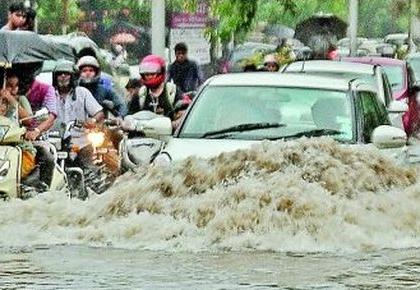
column 181, row 148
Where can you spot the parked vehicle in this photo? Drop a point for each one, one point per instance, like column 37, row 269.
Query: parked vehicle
column 413, row 64
column 245, row 53
column 343, row 69
column 395, row 69
column 233, row 111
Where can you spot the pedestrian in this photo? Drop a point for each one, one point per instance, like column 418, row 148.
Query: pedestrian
column 16, row 17
column 332, row 53
column 271, row 63
column 184, row 72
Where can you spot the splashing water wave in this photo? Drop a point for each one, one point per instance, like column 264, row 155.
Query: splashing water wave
column 304, row 195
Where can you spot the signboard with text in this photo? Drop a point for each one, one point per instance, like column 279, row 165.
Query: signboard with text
column 189, row 28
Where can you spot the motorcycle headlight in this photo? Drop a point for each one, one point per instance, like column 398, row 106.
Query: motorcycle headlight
column 162, row 160
column 96, row 138
column 4, row 167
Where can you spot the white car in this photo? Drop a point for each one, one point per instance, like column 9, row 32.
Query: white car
column 373, row 74
column 345, row 69
column 233, row 111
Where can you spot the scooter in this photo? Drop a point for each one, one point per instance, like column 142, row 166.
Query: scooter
column 145, row 135
column 11, row 183
column 140, row 145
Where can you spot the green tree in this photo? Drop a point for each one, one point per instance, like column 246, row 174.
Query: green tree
column 51, row 17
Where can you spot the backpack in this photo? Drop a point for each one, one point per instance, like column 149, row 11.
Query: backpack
column 170, row 89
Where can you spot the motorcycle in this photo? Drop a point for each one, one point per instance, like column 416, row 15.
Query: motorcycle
column 94, row 178
column 12, row 184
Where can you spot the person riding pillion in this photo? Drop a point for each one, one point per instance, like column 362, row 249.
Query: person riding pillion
column 75, row 103
column 90, row 72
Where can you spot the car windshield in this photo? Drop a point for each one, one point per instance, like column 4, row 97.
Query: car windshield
column 395, row 76
column 257, row 112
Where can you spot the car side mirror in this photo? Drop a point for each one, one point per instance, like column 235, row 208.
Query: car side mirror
column 157, row 128
column 388, row 137
column 397, row 107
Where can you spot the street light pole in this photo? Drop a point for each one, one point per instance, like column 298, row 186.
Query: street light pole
column 158, row 27
column 353, row 14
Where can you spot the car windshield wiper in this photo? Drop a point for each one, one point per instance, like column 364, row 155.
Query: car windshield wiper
column 311, row 133
column 241, row 128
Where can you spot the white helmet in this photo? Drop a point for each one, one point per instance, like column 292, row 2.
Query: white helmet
column 270, row 58
column 88, row 61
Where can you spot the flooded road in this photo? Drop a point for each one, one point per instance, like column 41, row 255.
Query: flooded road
column 66, row 267
column 306, row 214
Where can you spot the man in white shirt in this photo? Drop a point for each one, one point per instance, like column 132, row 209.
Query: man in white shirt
column 75, row 103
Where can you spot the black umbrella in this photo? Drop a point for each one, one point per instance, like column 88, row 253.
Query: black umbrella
column 24, row 47
column 319, row 32
column 329, row 26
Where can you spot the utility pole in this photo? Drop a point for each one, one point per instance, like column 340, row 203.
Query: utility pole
column 353, row 15
column 158, row 27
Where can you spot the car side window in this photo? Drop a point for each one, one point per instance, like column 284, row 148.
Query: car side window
column 373, row 112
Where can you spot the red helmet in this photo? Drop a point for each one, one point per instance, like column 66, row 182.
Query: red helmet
column 153, row 64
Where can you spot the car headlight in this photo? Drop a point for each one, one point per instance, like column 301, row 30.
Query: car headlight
column 4, row 167
column 96, row 138
column 163, row 160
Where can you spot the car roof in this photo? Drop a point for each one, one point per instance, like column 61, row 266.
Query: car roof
column 330, row 66
column 280, row 80
column 374, row 60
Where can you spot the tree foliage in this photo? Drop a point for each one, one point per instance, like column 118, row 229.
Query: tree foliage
column 50, row 15
column 237, row 17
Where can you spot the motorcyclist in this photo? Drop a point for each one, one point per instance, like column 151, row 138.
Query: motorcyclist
column 76, row 103
column 90, row 72
column 156, row 94
column 16, row 107
column 40, row 96
column 271, row 63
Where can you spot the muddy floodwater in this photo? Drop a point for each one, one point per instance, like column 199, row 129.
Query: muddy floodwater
column 305, row 214
column 64, row 267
